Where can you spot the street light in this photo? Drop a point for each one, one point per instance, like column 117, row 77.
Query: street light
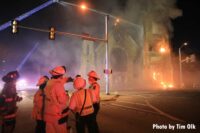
column 107, row 49
column 162, row 50
column 180, row 64
column 117, row 21
column 107, row 72
column 83, row 6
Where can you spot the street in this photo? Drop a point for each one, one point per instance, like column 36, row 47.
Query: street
column 133, row 111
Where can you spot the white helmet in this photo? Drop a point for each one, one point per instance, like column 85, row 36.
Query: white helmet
column 59, row 70
column 79, row 83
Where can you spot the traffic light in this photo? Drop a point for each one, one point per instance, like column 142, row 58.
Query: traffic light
column 14, row 26
column 187, row 59
column 192, row 58
column 52, row 33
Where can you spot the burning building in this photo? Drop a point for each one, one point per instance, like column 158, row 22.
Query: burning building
column 139, row 54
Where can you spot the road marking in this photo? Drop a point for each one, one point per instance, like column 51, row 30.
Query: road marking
column 163, row 113
column 137, row 109
column 132, row 103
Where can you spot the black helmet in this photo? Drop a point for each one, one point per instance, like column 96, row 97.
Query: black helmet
column 13, row 75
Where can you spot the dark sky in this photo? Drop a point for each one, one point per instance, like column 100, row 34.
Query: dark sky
column 186, row 27
column 12, row 8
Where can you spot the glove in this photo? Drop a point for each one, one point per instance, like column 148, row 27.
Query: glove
column 65, row 110
column 63, row 120
column 64, row 117
column 18, row 99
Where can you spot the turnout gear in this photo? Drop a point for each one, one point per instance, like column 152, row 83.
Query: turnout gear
column 38, row 109
column 95, row 88
column 59, row 70
column 93, row 74
column 82, row 98
column 38, row 105
column 8, row 104
column 81, row 103
column 56, row 101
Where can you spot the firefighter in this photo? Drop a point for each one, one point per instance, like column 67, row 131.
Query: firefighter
column 56, row 102
column 38, row 105
column 9, row 99
column 81, row 103
column 95, row 87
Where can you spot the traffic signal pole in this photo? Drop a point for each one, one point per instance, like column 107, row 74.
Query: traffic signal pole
column 107, row 55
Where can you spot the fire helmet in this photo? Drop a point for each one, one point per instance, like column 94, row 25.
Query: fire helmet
column 93, row 74
column 59, row 70
column 79, row 83
column 11, row 76
column 42, row 80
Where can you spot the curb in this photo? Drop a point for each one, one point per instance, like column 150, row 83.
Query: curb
column 109, row 97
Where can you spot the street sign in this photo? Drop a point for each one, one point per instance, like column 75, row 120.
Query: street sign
column 107, row 71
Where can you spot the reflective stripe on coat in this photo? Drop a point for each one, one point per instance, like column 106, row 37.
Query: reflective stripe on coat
column 77, row 100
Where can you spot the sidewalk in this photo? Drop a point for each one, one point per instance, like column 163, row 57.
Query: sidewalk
column 110, row 97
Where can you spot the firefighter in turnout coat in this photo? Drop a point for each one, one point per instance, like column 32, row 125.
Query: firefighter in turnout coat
column 81, row 103
column 55, row 101
column 38, row 105
column 95, row 87
column 8, row 102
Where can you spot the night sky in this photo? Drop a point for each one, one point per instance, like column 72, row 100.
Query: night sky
column 186, row 27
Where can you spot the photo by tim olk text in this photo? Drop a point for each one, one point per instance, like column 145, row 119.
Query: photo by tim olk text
column 174, row 126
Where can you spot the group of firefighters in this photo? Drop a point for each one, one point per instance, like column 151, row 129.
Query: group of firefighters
column 52, row 104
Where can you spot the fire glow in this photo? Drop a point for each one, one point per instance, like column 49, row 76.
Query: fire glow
column 157, row 78
column 166, row 85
